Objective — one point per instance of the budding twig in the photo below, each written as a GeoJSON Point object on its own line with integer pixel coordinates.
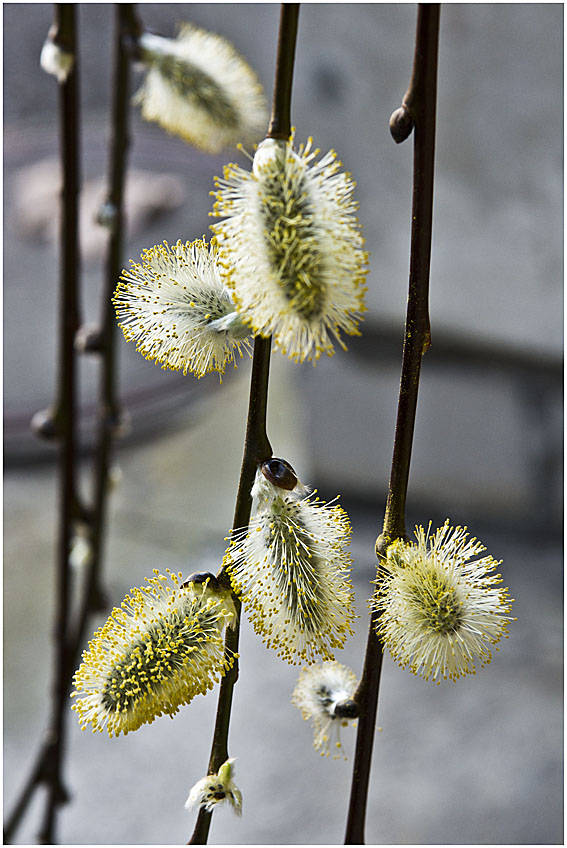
{"type": "Point", "coordinates": [127, 29]}
{"type": "Point", "coordinates": [48, 763]}
{"type": "Point", "coordinates": [48, 766]}
{"type": "Point", "coordinates": [417, 113]}
{"type": "Point", "coordinates": [257, 446]}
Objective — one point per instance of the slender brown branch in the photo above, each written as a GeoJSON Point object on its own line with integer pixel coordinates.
{"type": "Point", "coordinates": [280, 120]}
{"type": "Point", "coordinates": [421, 97]}
{"type": "Point", "coordinates": [47, 763]}
{"type": "Point", "coordinates": [51, 771]}
{"type": "Point", "coordinates": [417, 113]}
{"type": "Point", "coordinates": [256, 449]}
{"type": "Point", "coordinates": [112, 215]}
{"type": "Point", "coordinates": [256, 446]}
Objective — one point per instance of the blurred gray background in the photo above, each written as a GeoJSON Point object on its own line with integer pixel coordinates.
{"type": "Point", "coordinates": [479, 761]}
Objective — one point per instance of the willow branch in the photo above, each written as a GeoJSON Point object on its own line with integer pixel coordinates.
{"type": "Point", "coordinates": [66, 419]}
{"type": "Point", "coordinates": [257, 447]}
{"type": "Point", "coordinates": [280, 120]}
{"type": "Point", "coordinates": [420, 102]}
{"type": "Point", "coordinates": [417, 113]}
{"type": "Point", "coordinates": [102, 341]}
{"type": "Point", "coordinates": [49, 763]}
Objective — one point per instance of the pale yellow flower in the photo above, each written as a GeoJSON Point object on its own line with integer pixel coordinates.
{"type": "Point", "coordinates": [291, 566]}
{"type": "Point", "coordinates": [292, 248]}
{"type": "Point", "coordinates": [440, 606]}
{"type": "Point", "coordinates": [198, 87]}
{"type": "Point", "coordinates": [216, 790]}
{"type": "Point", "coordinates": [159, 649]}
{"type": "Point", "coordinates": [320, 688]}
{"type": "Point", "coordinates": [176, 308]}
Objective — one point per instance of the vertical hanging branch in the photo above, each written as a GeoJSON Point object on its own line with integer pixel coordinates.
{"type": "Point", "coordinates": [64, 36]}
{"type": "Point", "coordinates": [61, 421]}
{"type": "Point", "coordinates": [102, 341]}
{"type": "Point", "coordinates": [280, 119]}
{"type": "Point", "coordinates": [256, 445]}
{"type": "Point", "coordinates": [418, 113]}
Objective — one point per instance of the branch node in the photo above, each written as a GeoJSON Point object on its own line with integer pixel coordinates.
{"type": "Point", "coordinates": [88, 339]}
{"type": "Point", "coordinates": [121, 423]}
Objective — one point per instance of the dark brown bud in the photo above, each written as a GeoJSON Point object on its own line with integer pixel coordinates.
{"type": "Point", "coordinates": [401, 124]}
{"type": "Point", "coordinates": [279, 473]}
{"type": "Point", "coordinates": [44, 425]}
{"type": "Point", "coordinates": [202, 577]}
{"type": "Point", "coordinates": [347, 709]}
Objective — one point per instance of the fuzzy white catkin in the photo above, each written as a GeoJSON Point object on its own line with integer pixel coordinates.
{"type": "Point", "coordinates": [441, 606]}
{"type": "Point", "coordinates": [199, 88]}
{"type": "Point", "coordinates": [292, 248]}
{"type": "Point", "coordinates": [291, 567]}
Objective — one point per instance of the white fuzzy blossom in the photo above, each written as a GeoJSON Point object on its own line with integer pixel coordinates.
{"type": "Point", "coordinates": [198, 87]}
{"type": "Point", "coordinates": [56, 61]}
{"type": "Point", "coordinates": [216, 789]}
{"type": "Point", "coordinates": [159, 649]}
{"type": "Point", "coordinates": [440, 606]}
{"type": "Point", "coordinates": [320, 688]}
{"type": "Point", "coordinates": [176, 308]}
{"type": "Point", "coordinates": [292, 247]}
{"type": "Point", "coordinates": [291, 566]}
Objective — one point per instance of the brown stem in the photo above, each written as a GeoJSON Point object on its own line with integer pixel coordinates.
{"type": "Point", "coordinates": [127, 29]}
{"type": "Point", "coordinates": [421, 97]}
{"type": "Point", "coordinates": [280, 121]}
{"type": "Point", "coordinates": [65, 25]}
{"type": "Point", "coordinates": [256, 449]}
{"type": "Point", "coordinates": [47, 766]}
{"type": "Point", "coordinates": [420, 105]}
{"type": "Point", "coordinates": [256, 446]}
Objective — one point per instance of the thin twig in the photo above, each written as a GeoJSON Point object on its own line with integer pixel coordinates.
{"type": "Point", "coordinates": [112, 215]}
{"type": "Point", "coordinates": [48, 764]}
{"type": "Point", "coordinates": [420, 101]}
{"type": "Point", "coordinates": [417, 113]}
{"type": "Point", "coordinates": [257, 447]}
{"type": "Point", "coordinates": [280, 120]}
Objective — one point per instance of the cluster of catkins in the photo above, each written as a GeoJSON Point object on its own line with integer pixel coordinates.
{"type": "Point", "coordinates": [286, 261]}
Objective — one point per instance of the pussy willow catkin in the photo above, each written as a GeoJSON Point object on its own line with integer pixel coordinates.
{"type": "Point", "coordinates": [159, 649]}
{"type": "Point", "coordinates": [291, 566]}
{"type": "Point", "coordinates": [292, 248]}
{"type": "Point", "coordinates": [441, 606]}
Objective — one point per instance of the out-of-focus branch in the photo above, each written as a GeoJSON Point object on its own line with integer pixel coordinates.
{"type": "Point", "coordinates": [48, 766]}
{"type": "Point", "coordinates": [51, 773]}
{"type": "Point", "coordinates": [102, 340]}
{"type": "Point", "coordinates": [60, 421]}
